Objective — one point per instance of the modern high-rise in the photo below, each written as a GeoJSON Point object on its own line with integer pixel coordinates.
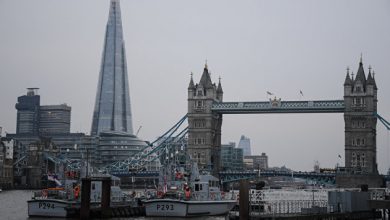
{"type": "Point", "coordinates": [245, 144]}
{"type": "Point", "coordinates": [36, 119]}
{"type": "Point", "coordinates": [231, 157]}
{"type": "Point", "coordinates": [112, 106]}
{"type": "Point", "coordinates": [54, 119]}
{"type": "Point", "coordinates": [27, 121]}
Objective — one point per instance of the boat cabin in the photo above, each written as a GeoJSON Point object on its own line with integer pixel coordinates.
{"type": "Point", "coordinates": [206, 188]}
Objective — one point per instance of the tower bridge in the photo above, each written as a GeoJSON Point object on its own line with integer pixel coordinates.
{"type": "Point", "coordinates": [359, 106]}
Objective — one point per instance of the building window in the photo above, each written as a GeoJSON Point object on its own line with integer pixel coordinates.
{"type": "Point", "coordinates": [358, 142]}
{"type": "Point", "coordinates": [358, 89]}
{"type": "Point", "coordinates": [200, 92]}
{"type": "Point", "coordinates": [358, 160]}
{"type": "Point", "coordinates": [353, 161]}
{"type": "Point", "coordinates": [199, 104]}
{"type": "Point", "coordinates": [359, 101]}
{"type": "Point", "coordinates": [199, 123]}
{"type": "Point", "coordinates": [359, 124]}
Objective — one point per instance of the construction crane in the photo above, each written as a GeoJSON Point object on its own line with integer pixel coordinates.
{"type": "Point", "coordinates": [136, 134]}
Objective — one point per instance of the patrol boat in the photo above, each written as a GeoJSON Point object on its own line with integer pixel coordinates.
{"type": "Point", "coordinates": [184, 195]}
{"type": "Point", "coordinates": [63, 201]}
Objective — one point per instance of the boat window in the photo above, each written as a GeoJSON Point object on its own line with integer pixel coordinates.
{"type": "Point", "coordinates": [201, 186]}
{"type": "Point", "coordinates": [196, 187]}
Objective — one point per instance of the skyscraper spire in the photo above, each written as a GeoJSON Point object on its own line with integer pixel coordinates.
{"type": "Point", "coordinates": [112, 107]}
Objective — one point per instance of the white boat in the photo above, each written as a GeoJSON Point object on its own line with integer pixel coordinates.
{"type": "Point", "coordinates": [62, 202]}
{"type": "Point", "coordinates": [188, 194]}
{"type": "Point", "coordinates": [182, 208]}
{"type": "Point", "coordinates": [41, 207]}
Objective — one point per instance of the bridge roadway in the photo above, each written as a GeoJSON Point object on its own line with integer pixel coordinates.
{"type": "Point", "coordinates": [232, 176]}
{"type": "Point", "coordinates": [278, 106]}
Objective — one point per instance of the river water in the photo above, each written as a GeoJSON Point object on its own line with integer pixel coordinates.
{"type": "Point", "coordinates": [13, 206]}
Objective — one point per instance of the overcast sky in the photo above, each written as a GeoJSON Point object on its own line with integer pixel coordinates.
{"type": "Point", "coordinates": [255, 46]}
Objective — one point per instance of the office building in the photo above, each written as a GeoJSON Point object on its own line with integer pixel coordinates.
{"type": "Point", "coordinates": [245, 144]}
{"type": "Point", "coordinates": [27, 121]}
{"type": "Point", "coordinates": [256, 162]}
{"type": "Point", "coordinates": [112, 106]}
{"type": "Point", "coordinates": [231, 157]}
{"type": "Point", "coordinates": [54, 119]}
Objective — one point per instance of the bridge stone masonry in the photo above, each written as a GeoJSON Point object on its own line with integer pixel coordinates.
{"type": "Point", "coordinates": [359, 105]}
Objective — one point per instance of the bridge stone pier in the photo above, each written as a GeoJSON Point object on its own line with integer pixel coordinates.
{"type": "Point", "coordinates": [206, 108]}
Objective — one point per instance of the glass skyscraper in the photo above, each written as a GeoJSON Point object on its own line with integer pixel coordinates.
{"type": "Point", "coordinates": [112, 106]}
{"type": "Point", "coordinates": [245, 144]}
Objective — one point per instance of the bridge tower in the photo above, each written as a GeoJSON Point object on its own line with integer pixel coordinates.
{"type": "Point", "coordinates": [204, 126]}
{"type": "Point", "coordinates": [360, 98]}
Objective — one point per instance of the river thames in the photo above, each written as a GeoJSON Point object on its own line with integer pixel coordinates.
{"type": "Point", "coordinates": [13, 206]}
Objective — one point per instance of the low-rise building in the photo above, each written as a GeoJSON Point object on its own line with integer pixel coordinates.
{"type": "Point", "coordinates": [6, 161]}
{"type": "Point", "coordinates": [256, 162]}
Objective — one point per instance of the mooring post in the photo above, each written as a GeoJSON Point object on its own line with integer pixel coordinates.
{"type": "Point", "coordinates": [106, 196]}
{"type": "Point", "coordinates": [244, 200]}
{"type": "Point", "coordinates": [85, 198]}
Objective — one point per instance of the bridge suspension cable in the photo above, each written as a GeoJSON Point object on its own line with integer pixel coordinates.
{"type": "Point", "coordinates": [151, 152]}
{"type": "Point", "coordinates": [381, 119]}
{"type": "Point", "coordinates": [387, 125]}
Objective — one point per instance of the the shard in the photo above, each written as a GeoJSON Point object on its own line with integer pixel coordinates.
{"type": "Point", "coordinates": [112, 106]}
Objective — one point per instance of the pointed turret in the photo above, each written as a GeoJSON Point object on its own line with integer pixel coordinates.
{"type": "Point", "coordinates": [370, 78]}
{"type": "Point", "coordinates": [191, 85]}
{"type": "Point", "coordinates": [360, 73]}
{"type": "Point", "coordinates": [373, 78]}
{"type": "Point", "coordinates": [348, 81]}
{"type": "Point", "coordinates": [205, 80]}
{"type": "Point", "coordinates": [219, 89]}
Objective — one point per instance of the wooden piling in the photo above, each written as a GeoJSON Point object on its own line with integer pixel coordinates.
{"type": "Point", "coordinates": [244, 200]}
{"type": "Point", "coordinates": [106, 196]}
{"type": "Point", "coordinates": [85, 198]}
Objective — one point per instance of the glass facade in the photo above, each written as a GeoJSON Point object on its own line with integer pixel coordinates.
{"type": "Point", "coordinates": [112, 106]}
{"type": "Point", "coordinates": [27, 121]}
{"type": "Point", "coordinates": [54, 119]}
{"type": "Point", "coordinates": [116, 146]}
{"type": "Point", "coordinates": [231, 157]}
{"type": "Point", "coordinates": [245, 144]}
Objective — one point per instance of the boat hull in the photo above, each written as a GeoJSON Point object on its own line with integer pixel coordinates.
{"type": "Point", "coordinates": [49, 207]}
{"type": "Point", "coordinates": [181, 208]}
